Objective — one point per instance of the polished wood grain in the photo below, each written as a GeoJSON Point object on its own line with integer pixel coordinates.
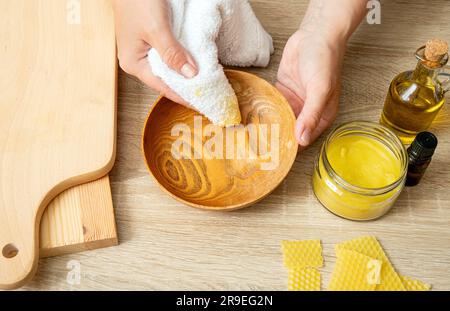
{"type": "Point", "coordinates": [224, 168]}
{"type": "Point", "coordinates": [166, 245]}
{"type": "Point", "coordinates": [58, 116]}
{"type": "Point", "coordinates": [79, 219]}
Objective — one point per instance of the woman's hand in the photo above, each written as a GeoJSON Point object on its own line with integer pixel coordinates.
{"type": "Point", "coordinates": [310, 70]}
{"type": "Point", "coordinates": [145, 24]}
{"type": "Point", "coordinates": [309, 77]}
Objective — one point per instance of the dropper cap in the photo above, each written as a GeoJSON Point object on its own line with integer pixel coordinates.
{"type": "Point", "coordinates": [423, 146]}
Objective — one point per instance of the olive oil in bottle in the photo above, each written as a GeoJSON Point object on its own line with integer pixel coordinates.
{"type": "Point", "coordinates": [415, 97]}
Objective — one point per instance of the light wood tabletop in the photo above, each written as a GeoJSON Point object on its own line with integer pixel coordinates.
{"type": "Point", "coordinates": [165, 245]}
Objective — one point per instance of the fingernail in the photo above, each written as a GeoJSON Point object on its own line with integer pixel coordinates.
{"type": "Point", "coordinates": [305, 139]}
{"type": "Point", "coordinates": [188, 71]}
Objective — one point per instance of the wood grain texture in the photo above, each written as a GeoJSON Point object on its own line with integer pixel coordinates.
{"type": "Point", "coordinates": [81, 218]}
{"type": "Point", "coordinates": [169, 246]}
{"type": "Point", "coordinates": [223, 168]}
{"type": "Point", "coordinates": [58, 115]}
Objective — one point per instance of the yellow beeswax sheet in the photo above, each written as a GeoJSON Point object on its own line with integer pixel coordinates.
{"type": "Point", "coordinates": [304, 279]}
{"type": "Point", "coordinates": [414, 285]}
{"type": "Point", "coordinates": [301, 254]}
{"type": "Point", "coordinates": [354, 271]}
{"type": "Point", "coordinates": [369, 246]}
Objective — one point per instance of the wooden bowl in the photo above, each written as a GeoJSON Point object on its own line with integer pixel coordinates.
{"type": "Point", "coordinates": [222, 181]}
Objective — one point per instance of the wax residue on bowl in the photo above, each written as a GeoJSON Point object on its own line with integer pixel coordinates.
{"type": "Point", "coordinates": [363, 161]}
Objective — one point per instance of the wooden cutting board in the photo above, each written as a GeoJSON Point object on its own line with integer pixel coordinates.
{"type": "Point", "coordinates": [57, 115]}
{"type": "Point", "coordinates": [79, 219]}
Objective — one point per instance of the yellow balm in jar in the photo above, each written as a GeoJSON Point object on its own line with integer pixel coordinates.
{"type": "Point", "coordinates": [360, 171]}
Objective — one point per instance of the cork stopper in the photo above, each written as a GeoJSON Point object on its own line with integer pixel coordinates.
{"type": "Point", "coordinates": [435, 50]}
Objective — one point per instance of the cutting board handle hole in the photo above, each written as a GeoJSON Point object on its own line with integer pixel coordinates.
{"type": "Point", "coordinates": [10, 251]}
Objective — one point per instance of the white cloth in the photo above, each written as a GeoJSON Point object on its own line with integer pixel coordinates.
{"type": "Point", "coordinates": [213, 30]}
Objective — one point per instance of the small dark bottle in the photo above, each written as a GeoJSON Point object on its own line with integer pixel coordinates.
{"type": "Point", "coordinates": [420, 153]}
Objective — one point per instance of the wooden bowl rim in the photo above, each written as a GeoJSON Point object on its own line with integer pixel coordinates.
{"type": "Point", "coordinates": [210, 207]}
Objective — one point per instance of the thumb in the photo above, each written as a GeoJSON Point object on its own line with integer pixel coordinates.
{"type": "Point", "coordinates": [309, 118]}
{"type": "Point", "coordinates": [174, 54]}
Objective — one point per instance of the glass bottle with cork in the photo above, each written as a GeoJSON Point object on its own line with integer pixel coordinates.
{"type": "Point", "coordinates": [415, 97]}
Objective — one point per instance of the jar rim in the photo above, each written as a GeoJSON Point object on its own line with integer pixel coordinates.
{"type": "Point", "coordinates": [388, 135]}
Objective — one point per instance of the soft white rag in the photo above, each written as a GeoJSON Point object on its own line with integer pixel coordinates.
{"type": "Point", "coordinates": [213, 30]}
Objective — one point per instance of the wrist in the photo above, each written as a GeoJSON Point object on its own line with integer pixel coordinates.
{"type": "Point", "coordinates": [333, 20]}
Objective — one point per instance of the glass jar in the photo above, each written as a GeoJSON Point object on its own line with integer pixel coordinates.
{"type": "Point", "coordinates": [347, 199]}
